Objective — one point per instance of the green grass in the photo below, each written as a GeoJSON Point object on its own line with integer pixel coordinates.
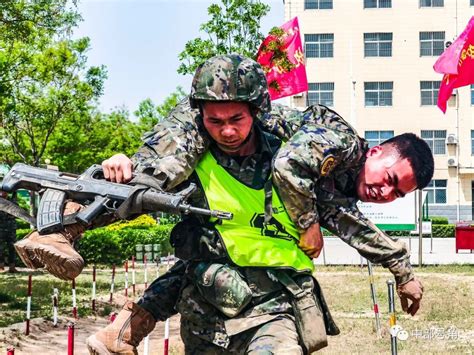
{"type": "Point", "coordinates": [13, 295]}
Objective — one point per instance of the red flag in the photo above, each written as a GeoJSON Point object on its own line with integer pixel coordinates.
{"type": "Point", "coordinates": [281, 56]}
{"type": "Point", "coordinates": [457, 65]}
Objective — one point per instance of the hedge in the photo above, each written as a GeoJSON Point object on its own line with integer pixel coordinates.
{"type": "Point", "coordinates": [439, 220]}
{"type": "Point", "coordinates": [102, 246]}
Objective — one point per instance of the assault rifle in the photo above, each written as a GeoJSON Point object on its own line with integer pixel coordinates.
{"type": "Point", "coordinates": [92, 190]}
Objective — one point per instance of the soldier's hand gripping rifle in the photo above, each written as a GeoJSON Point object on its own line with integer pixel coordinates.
{"type": "Point", "coordinates": [97, 194]}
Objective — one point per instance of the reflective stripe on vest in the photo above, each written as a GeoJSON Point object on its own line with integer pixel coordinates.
{"type": "Point", "coordinates": [247, 240]}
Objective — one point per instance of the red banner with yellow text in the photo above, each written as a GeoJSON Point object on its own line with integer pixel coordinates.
{"type": "Point", "coordinates": [281, 56]}
{"type": "Point", "coordinates": [457, 65]}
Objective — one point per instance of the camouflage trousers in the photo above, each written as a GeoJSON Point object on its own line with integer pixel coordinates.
{"type": "Point", "coordinates": [278, 336]}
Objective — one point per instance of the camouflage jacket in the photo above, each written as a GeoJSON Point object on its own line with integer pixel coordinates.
{"type": "Point", "coordinates": [173, 149]}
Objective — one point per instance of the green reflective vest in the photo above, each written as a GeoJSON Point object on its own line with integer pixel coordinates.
{"type": "Point", "coordinates": [248, 241]}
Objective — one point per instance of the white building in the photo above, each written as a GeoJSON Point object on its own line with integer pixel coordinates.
{"type": "Point", "coordinates": [372, 61]}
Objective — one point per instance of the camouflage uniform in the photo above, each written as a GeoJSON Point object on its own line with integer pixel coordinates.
{"type": "Point", "coordinates": [173, 150]}
{"type": "Point", "coordinates": [7, 238]}
{"type": "Point", "coordinates": [204, 329]}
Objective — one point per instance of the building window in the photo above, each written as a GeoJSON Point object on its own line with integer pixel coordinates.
{"type": "Point", "coordinates": [370, 4]}
{"type": "Point", "coordinates": [378, 44]}
{"type": "Point", "coordinates": [376, 137]}
{"type": "Point", "coordinates": [378, 93]}
{"type": "Point", "coordinates": [319, 45]}
{"type": "Point", "coordinates": [429, 92]}
{"type": "Point", "coordinates": [432, 3]}
{"type": "Point", "coordinates": [431, 43]}
{"type": "Point", "coordinates": [436, 190]}
{"type": "Point", "coordinates": [321, 93]}
{"type": "Point", "coordinates": [472, 142]}
{"type": "Point", "coordinates": [317, 4]}
{"type": "Point", "coordinates": [472, 2]}
{"type": "Point", "coordinates": [472, 91]}
{"type": "Point", "coordinates": [436, 140]}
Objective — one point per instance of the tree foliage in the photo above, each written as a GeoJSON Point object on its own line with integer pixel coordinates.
{"type": "Point", "coordinates": [234, 27]}
{"type": "Point", "coordinates": [44, 76]}
{"type": "Point", "coordinates": [150, 114]}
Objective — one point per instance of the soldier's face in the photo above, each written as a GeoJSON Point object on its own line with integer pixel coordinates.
{"type": "Point", "coordinates": [385, 176]}
{"type": "Point", "coordinates": [229, 124]}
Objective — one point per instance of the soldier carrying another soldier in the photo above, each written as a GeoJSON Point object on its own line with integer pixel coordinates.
{"type": "Point", "coordinates": [257, 258]}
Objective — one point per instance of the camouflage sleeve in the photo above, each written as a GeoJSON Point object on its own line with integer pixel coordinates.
{"type": "Point", "coordinates": [284, 121]}
{"type": "Point", "coordinates": [349, 224]}
{"type": "Point", "coordinates": [172, 150]}
{"type": "Point", "coordinates": [312, 153]}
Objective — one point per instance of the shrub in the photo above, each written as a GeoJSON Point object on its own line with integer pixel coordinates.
{"type": "Point", "coordinates": [106, 246]}
{"type": "Point", "coordinates": [443, 230]}
{"type": "Point", "coordinates": [20, 233]}
{"type": "Point", "coordinates": [439, 220]}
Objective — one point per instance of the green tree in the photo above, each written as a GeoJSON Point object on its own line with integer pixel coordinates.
{"type": "Point", "coordinates": [150, 114]}
{"type": "Point", "coordinates": [44, 76]}
{"type": "Point", "coordinates": [82, 141]}
{"type": "Point", "coordinates": [234, 27]}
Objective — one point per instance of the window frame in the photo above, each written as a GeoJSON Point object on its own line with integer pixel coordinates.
{"type": "Point", "coordinates": [434, 90]}
{"type": "Point", "coordinates": [319, 43]}
{"type": "Point", "coordinates": [377, 141]}
{"type": "Point", "coordinates": [319, 91]}
{"type": "Point", "coordinates": [436, 45]}
{"type": "Point", "coordinates": [421, 3]}
{"type": "Point", "coordinates": [318, 4]}
{"type": "Point", "coordinates": [434, 189]}
{"type": "Point", "coordinates": [377, 4]}
{"type": "Point", "coordinates": [379, 91]}
{"type": "Point", "coordinates": [378, 41]}
{"type": "Point", "coordinates": [433, 141]}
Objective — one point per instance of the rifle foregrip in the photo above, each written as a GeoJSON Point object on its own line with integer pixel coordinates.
{"type": "Point", "coordinates": [50, 211]}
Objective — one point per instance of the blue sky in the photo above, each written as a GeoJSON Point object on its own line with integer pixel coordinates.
{"type": "Point", "coordinates": [139, 41]}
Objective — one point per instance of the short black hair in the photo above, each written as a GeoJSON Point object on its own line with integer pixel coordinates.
{"type": "Point", "coordinates": [418, 153]}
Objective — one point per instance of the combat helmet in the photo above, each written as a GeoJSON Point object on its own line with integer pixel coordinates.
{"type": "Point", "coordinates": [231, 77]}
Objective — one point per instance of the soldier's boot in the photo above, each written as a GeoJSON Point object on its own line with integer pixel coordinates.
{"type": "Point", "coordinates": [123, 335]}
{"type": "Point", "coordinates": [12, 269]}
{"type": "Point", "coordinates": [54, 251]}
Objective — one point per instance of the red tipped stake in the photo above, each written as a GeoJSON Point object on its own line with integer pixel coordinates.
{"type": "Point", "coordinates": [70, 338]}
{"type": "Point", "coordinates": [10, 350]}
{"type": "Point", "coordinates": [133, 275]}
{"type": "Point", "coordinates": [112, 284]}
{"type": "Point", "coordinates": [126, 278]}
{"type": "Point", "coordinates": [145, 271]}
{"type": "Point", "coordinates": [28, 305]}
{"type": "Point", "coordinates": [93, 287]}
{"type": "Point", "coordinates": [74, 305]}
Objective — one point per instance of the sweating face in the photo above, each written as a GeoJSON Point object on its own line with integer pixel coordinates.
{"type": "Point", "coordinates": [229, 123]}
{"type": "Point", "coordinates": [384, 176]}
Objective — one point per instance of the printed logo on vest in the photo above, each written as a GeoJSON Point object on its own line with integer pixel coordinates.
{"type": "Point", "coordinates": [273, 229]}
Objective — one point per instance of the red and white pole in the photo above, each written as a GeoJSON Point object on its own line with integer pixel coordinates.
{"type": "Point", "coordinates": [70, 338]}
{"type": "Point", "coordinates": [145, 271]}
{"type": "Point", "coordinates": [167, 337]}
{"type": "Point", "coordinates": [146, 345]}
{"type": "Point", "coordinates": [133, 275]}
{"type": "Point", "coordinates": [55, 307]}
{"type": "Point", "coordinates": [10, 350]}
{"type": "Point", "coordinates": [126, 278]}
{"type": "Point", "coordinates": [74, 304]}
{"type": "Point", "coordinates": [28, 305]}
{"type": "Point", "coordinates": [93, 287]}
{"type": "Point", "coordinates": [112, 283]}
{"type": "Point", "coordinates": [378, 328]}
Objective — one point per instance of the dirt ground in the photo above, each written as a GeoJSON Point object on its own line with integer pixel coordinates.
{"type": "Point", "coordinates": [448, 302]}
